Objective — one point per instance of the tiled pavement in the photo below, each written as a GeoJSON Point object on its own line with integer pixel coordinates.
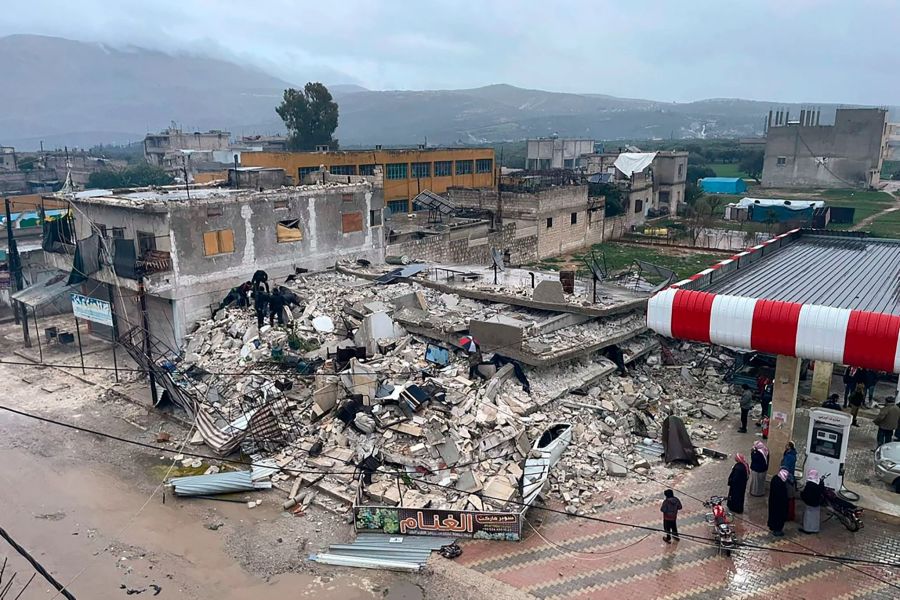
{"type": "Point", "coordinates": [579, 558]}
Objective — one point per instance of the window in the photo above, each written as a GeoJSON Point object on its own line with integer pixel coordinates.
{"type": "Point", "coordinates": [351, 222]}
{"type": "Point", "coordinates": [213, 211]}
{"type": "Point", "coordinates": [638, 206]}
{"type": "Point", "coordinates": [443, 168]}
{"type": "Point", "coordinates": [218, 241]}
{"type": "Point", "coordinates": [678, 196]}
{"type": "Point", "coordinates": [781, 161]}
{"type": "Point", "coordinates": [281, 204]}
{"type": "Point", "coordinates": [288, 231]}
{"type": "Point", "coordinates": [101, 229]}
{"type": "Point", "coordinates": [146, 242]}
{"type": "Point", "coordinates": [568, 163]}
{"type": "Point", "coordinates": [484, 165]}
{"type": "Point", "coordinates": [342, 170]}
{"type": "Point", "coordinates": [398, 206]}
{"type": "Point", "coordinates": [549, 222]}
{"type": "Point", "coordinates": [367, 170]}
{"type": "Point", "coordinates": [573, 218]}
{"type": "Point", "coordinates": [302, 172]}
{"type": "Point", "coordinates": [396, 170]}
{"type": "Point", "coordinates": [464, 167]}
{"type": "Point", "coordinates": [346, 197]}
{"type": "Point", "coordinates": [374, 218]}
{"type": "Point", "coordinates": [118, 233]}
{"type": "Point", "coordinates": [421, 169]}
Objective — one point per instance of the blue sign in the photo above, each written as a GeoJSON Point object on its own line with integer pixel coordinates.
{"type": "Point", "coordinates": [92, 309]}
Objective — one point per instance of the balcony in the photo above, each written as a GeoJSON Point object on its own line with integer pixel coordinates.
{"type": "Point", "coordinates": [154, 261]}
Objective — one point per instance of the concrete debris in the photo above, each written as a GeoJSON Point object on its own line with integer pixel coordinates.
{"type": "Point", "coordinates": [359, 397]}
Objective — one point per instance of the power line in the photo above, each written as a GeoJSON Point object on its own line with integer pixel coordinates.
{"type": "Point", "coordinates": [813, 554]}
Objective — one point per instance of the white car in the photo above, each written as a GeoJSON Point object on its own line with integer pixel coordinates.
{"type": "Point", "coordinates": [887, 464]}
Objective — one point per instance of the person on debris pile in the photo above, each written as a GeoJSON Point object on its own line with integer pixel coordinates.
{"type": "Point", "coordinates": [759, 464]}
{"type": "Point", "coordinates": [778, 503]}
{"type": "Point", "coordinates": [236, 297]}
{"type": "Point", "coordinates": [832, 402]}
{"type": "Point", "coordinates": [473, 351]}
{"type": "Point", "coordinates": [887, 421]}
{"type": "Point", "coordinates": [261, 304]}
{"type": "Point", "coordinates": [746, 405]}
{"type": "Point", "coordinates": [856, 400]}
{"type": "Point", "coordinates": [670, 507]}
{"type": "Point", "coordinates": [260, 280]}
{"type": "Point", "coordinates": [276, 308]}
{"type": "Point", "coordinates": [811, 495]}
{"type": "Point", "coordinates": [789, 461]}
{"type": "Point", "coordinates": [737, 483]}
{"type": "Point", "coordinates": [850, 380]}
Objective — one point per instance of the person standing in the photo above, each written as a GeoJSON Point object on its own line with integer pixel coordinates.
{"type": "Point", "coordinates": [261, 304]}
{"type": "Point", "coordinates": [778, 503]}
{"type": "Point", "coordinates": [765, 400]}
{"type": "Point", "coordinates": [737, 483]}
{"type": "Point", "coordinates": [850, 380]}
{"type": "Point", "coordinates": [746, 404]}
{"type": "Point", "coordinates": [812, 496]}
{"type": "Point", "coordinates": [856, 400]}
{"type": "Point", "coordinates": [789, 460]}
{"type": "Point", "coordinates": [670, 507]}
{"type": "Point", "coordinates": [870, 380]}
{"type": "Point", "coordinates": [759, 464]}
{"type": "Point", "coordinates": [887, 421]}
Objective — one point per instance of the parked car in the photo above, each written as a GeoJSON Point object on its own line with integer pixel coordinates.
{"type": "Point", "coordinates": [887, 464]}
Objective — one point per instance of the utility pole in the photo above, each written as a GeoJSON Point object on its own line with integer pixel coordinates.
{"type": "Point", "coordinates": [498, 214]}
{"type": "Point", "coordinates": [15, 268]}
{"type": "Point", "coordinates": [148, 350]}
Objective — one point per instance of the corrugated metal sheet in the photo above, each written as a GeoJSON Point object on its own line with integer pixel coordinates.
{"type": "Point", "coordinates": [41, 293]}
{"type": "Point", "coordinates": [835, 271]}
{"type": "Point", "coordinates": [218, 483]}
{"type": "Point", "coordinates": [377, 551]}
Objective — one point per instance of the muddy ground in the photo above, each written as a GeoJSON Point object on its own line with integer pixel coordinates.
{"type": "Point", "coordinates": [91, 510]}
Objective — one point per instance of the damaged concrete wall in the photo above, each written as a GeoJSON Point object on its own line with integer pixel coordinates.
{"type": "Point", "coordinates": [615, 228]}
{"type": "Point", "coordinates": [474, 248]}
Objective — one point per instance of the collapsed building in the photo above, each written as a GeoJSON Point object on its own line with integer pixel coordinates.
{"type": "Point", "coordinates": [370, 397]}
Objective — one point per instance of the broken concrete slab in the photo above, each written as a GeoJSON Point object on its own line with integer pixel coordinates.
{"type": "Point", "coordinates": [415, 301]}
{"type": "Point", "coordinates": [375, 327]}
{"type": "Point", "coordinates": [469, 482]}
{"type": "Point", "coordinates": [615, 466]}
{"type": "Point", "coordinates": [450, 300]}
{"type": "Point", "coordinates": [496, 336]}
{"type": "Point", "coordinates": [713, 412]}
{"type": "Point", "coordinates": [548, 291]}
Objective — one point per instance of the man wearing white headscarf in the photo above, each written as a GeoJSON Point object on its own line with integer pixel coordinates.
{"type": "Point", "coordinates": [778, 503]}
{"type": "Point", "coordinates": [812, 496]}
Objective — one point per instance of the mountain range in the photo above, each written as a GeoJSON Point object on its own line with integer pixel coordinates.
{"type": "Point", "coordinates": [65, 92]}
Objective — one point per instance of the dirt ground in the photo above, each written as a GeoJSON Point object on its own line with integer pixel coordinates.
{"type": "Point", "coordinates": [91, 511]}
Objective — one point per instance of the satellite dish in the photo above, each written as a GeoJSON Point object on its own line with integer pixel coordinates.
{"type": "Point", "coordinates": [497, 259]}
{"type": "Point", "coordinates": [323, 324]}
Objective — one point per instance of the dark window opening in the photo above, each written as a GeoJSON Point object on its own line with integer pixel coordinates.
{"type": "Point", "coordinates": [146, 242]}
{"type": "Point", "coordinates": [549, 222]}
{"type": "Point", "coordinates": [574, 218]}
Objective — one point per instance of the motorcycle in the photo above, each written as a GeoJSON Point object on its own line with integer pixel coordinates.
{"type": "Point", "coordinates": [721, 521]}
{"type": "Point", "coordinates": [846, 512]}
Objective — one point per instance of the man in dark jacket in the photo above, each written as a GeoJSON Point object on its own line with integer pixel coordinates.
{"type": "Point", "coordinates": [746, 405]}
{"type": "Point", "coordinates": [276, 308]}
{"type": "Point", "coordinates": [850, 379]}
{"type": "Point", "coordinates": [887, 421]}
{"type": "Point", "coordinates": [856, 400]}
{"type": "Point", "coordinates": [261, 304]}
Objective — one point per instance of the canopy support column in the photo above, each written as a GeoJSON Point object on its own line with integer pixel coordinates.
{"type": "Point", "coordinates": [821, 383]}
{"type": "Point", "coordinates": [784, 404]}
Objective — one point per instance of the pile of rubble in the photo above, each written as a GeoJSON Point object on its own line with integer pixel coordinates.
{"type": "Point", "coordinates": [367, 410]}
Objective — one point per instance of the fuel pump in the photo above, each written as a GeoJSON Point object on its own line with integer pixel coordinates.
{"type": "Point", "coordinates": [826, 444]}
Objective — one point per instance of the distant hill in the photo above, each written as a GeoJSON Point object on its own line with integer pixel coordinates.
{"type": "Point", "coordinates": [66, 92]}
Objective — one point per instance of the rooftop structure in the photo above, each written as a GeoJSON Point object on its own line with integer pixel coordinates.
{"type": "Point", "coordinates": [543, 154]}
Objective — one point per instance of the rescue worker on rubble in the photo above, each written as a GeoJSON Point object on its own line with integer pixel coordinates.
{"type": "Point", "coordinates": [236, 297]}
{"type": "Point", "coordinates": [261, 304]}
{"type": "Point", "coordinates": [260, 280]}
{"type": "Point", "coordinates": [276, 308]}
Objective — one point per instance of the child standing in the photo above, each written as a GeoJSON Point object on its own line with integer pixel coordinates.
{"type": "Point", "coordinates": [670, 507]}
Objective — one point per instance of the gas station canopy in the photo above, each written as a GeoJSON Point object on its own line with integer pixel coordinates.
{"type": "Point", "coordinates": [826, 296]}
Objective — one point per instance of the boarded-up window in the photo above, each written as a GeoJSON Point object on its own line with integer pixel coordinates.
{"type": "Point", "coordinates": [288, 231]}
{"type": "Point", "coordinates": [219, 241]}
{"type": "Point", "coordinates": [351, 222]}
{"type": "Point", "coordinates": [347, 197]}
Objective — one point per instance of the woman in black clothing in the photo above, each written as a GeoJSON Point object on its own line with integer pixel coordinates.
{"type": "Point", "coordinates": [737, 484]}
{"type": "Point", "coordinates": [778, 503]}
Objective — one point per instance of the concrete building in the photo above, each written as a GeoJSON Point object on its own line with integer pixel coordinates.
{"type": "Point", "coordinates": [561, 216]}
{"type": "Point", "coordinates": [670, 174]}
{"type": "Point", "coordinates": [407, 172]}
{"type": "Point", "coordinates": [544, 154]}
{"type": "Point", "coordinates": [191, 251]}
{"type": "Point", "coordinates": [802, 153]}
{"type": "Point", "coordinates": [8, 159]}
{"type": "Point", "coordinates": [165, 149]}
{"type": "Point", "coordinates": [892, 149]}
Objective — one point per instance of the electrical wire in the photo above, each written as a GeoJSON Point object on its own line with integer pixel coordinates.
{"type": "Point", "coordinates": [698, 539]}
{"type": "Point", "coordinates": [575, 553]}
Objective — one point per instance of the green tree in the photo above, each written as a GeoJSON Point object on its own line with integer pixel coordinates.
{"type": "Point", "coordinates": [695, 172]}
{"type": "Point", "coordinates": [310, 115]}
{"type": "Point", "coordinates": [140, 175]}
{"type": "Point", "coordinates": [752, 163]}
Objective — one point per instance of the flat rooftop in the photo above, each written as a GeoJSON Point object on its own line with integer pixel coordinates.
{"type": "Point", "coordinates": [840, 271]}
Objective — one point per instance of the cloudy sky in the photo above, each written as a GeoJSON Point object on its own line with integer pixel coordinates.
{"type": "Point", "coordinates": [785, 50]}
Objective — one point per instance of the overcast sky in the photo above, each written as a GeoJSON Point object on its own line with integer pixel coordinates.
{"type": "Point", "coordinates": [784, 50]}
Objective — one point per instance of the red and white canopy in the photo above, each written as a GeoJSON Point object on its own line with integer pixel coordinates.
{"type": "Point", "coordinates": [837, 335]}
